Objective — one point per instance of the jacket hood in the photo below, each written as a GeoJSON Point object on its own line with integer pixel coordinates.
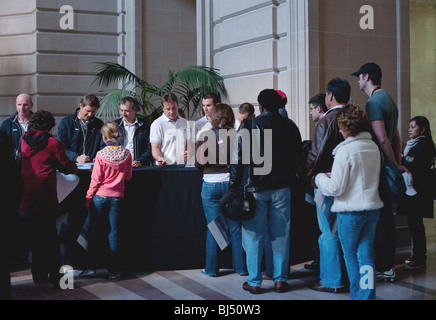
{"type": "Point", "coordinates": [34, 141]}
{"type": "Point", "coordinates": [115, 157]}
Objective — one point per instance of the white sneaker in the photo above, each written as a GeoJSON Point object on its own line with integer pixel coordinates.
{"type": "Point", "coordinates": [388, 275]}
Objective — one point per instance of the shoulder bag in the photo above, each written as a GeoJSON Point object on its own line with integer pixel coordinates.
{"type": "Point", "coordinates": [239, 203]}
{"type": "Point", "coordinates": [392, 186]}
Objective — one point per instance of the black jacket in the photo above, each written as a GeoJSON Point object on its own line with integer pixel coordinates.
{"type": "Point", "coordinates": [419, 161]}
{"type": "Point", "coordinates": [283, 154]}
{"type": "Point", "coordinates": [141, 140]}
{"type": "Point", "coordinates": [12, 129]}
{"type": "Point", "coordinates": [74, 140]}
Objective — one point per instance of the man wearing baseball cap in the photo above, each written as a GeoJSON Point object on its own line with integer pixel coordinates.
{"type": "Point", "coordinates": [282, 109]}
{"type": "Point", "coordinates": [383, 114]}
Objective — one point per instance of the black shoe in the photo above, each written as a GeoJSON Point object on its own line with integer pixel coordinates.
{"type": "Point", "coordinates": [40, 278]}
{"type": "Point", "coordinates": [318, 286]}
{"type": "Point", "coordinates": [251, 289]}
{"type": "Point", "coordinates": [415, 265]}
{"type": "Point", "coordinates": [313, 266]}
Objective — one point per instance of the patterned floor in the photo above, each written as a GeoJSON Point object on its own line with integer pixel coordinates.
{"type": "Point", "coordinates": [191, 285]}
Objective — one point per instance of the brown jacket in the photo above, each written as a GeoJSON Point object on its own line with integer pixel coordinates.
{"type": "Point", "coordinates": [326, 138]}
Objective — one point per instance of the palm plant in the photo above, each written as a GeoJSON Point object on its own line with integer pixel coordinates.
{"type": "Point", "coordinates": [189, 84]}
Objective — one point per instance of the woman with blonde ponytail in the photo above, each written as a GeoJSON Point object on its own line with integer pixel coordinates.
{"type": "Point", "coordinates": [105, 197]}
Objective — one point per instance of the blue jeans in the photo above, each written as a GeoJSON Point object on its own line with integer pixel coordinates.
{"type": "Point", "coordinates": [356, 231]}
{"type": "Point", "coordinates": [211, 194]}
{"type": "Point", "coordinates": [105, 213]}
{"type": "Point", "coordinates": [330, 252]}
{"type": "Point", "coordinates": [273, 216]}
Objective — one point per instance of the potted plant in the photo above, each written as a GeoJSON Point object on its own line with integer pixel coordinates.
{"type": "Point", "coordinates": [189, 84]}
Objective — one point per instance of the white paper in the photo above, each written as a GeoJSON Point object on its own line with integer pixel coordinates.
{"type": "Point", "coordinates": [319, 200]}
{"type": "Point", "coordinates": [83, 242]}
{"type": "Point", "coordinates": [220, 238]}
{"type": "Point", "coordinates": [66, 183]}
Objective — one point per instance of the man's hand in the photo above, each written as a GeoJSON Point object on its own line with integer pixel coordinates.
{"type": "Point", "coordinates": [161, 161]}
{"type": "Point", "coordinates": [402, 169]}
{"type": "Point", "coordinates": [136, 164]}
{"type": "Point", "coordinates": [185, 155]}
{"type": "Point", "coordinates": [83, 159]}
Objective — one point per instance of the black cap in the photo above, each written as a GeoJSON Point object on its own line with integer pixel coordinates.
{"type": "Point", "coordinates": [270, 99]}
{"type": "Point", "coordinates": [370, 68]}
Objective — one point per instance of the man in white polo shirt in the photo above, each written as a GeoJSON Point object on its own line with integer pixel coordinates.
{"type": "Point", "coordinates": [169, 134]}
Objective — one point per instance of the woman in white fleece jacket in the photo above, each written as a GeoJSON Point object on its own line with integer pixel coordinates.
{"type": "Point", "coordinates": [353, 183]}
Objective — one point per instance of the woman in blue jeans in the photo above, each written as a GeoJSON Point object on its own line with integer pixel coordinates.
{"type": "Point", "coordinates": [353, 183]}
{"type": "Point", "coordinates": [213, 156]}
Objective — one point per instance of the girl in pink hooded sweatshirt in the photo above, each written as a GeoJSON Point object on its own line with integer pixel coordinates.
{"type": "Point", "coordinates": [105, 196]}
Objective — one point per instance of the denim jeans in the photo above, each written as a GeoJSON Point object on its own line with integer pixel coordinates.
{"type": "Point", "coordinates": [330, 252]}
{"type": "Point", "coordinates": [356, 231]}
{"type": "Point", "coordinates": [273, 216]}
{"type": "Point", "coordinates": [105, 213]}
{"type": "Point", "coordinates": [211, 194]}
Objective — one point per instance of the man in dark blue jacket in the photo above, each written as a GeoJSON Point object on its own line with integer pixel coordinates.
{"type": "Point", "coordinates": [80, 133]}
{"type": "Point", "coordinates": [135, 132]}
{"type": "Point", "coordinates": [16, 126]}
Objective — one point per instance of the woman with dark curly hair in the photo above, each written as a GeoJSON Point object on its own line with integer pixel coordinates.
{"type": "Point", "coordinates": [42, 156]}
{"type": "Point", "coordinates": [353, 183]}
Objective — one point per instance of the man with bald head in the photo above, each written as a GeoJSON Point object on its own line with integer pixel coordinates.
{"type": "Point", "coordinates": [16, 126]}
{"type": "Point", "coordinates": [13, 129]}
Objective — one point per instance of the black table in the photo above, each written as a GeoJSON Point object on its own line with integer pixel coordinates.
{"type": "Point", "coordinates": [164, 227]}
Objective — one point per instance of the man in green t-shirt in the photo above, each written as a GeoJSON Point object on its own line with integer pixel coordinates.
{"type": "Point", "coordinates": [383, 114]}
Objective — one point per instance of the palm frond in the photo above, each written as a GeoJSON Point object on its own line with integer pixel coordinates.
{"type": "Point", "coordinates": [189, 84]}
{"type": "Point", "coordinates": [109, 109]}
{"type": "Point", "coordinates": [109, 73]}
{"type": "Point", "coordinates": [204, 78]}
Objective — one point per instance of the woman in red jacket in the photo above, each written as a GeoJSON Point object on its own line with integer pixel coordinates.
{"type": "Point", "coordinates": [42, 155]}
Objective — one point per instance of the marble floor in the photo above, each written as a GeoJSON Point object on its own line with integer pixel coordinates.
{"type": "Point", "coordinates": [191, 285]}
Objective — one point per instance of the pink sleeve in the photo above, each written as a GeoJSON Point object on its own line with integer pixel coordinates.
{"type": "Point", "coordinates": [96, 178]}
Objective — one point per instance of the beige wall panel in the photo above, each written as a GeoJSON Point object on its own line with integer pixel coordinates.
{"type": "Point", "coordinates": [65, 85]}
{"type": "Point", "coordinates": [80, 43]}
{"type": "Point", "coordinates": [70, 64]}
{"type": "Point", "coordinates": [17, 25]}
{"type": "Point", "coordinates": [18, 45]}
{"type": "Point", "coordinates": [61, 105]}
{"type": "Point", "coordinates": [8, 7]}
{"type": "Point", "coordinates": [169, 38]}
{"type": "Point", "coordinates": [247, 88]}
{"type": "Point", "coordinates": [17, 84]}
{"type": "Point", "coordinates": [81, 5]}
{"type": "Point", "coordinates": [229, 7]}
{"type": "Point", "coordinates": [16, 65]}
{"type": "Point", "coordinates": [246, 27]}
{"type": "Point", "coordinates": [253, 57]}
